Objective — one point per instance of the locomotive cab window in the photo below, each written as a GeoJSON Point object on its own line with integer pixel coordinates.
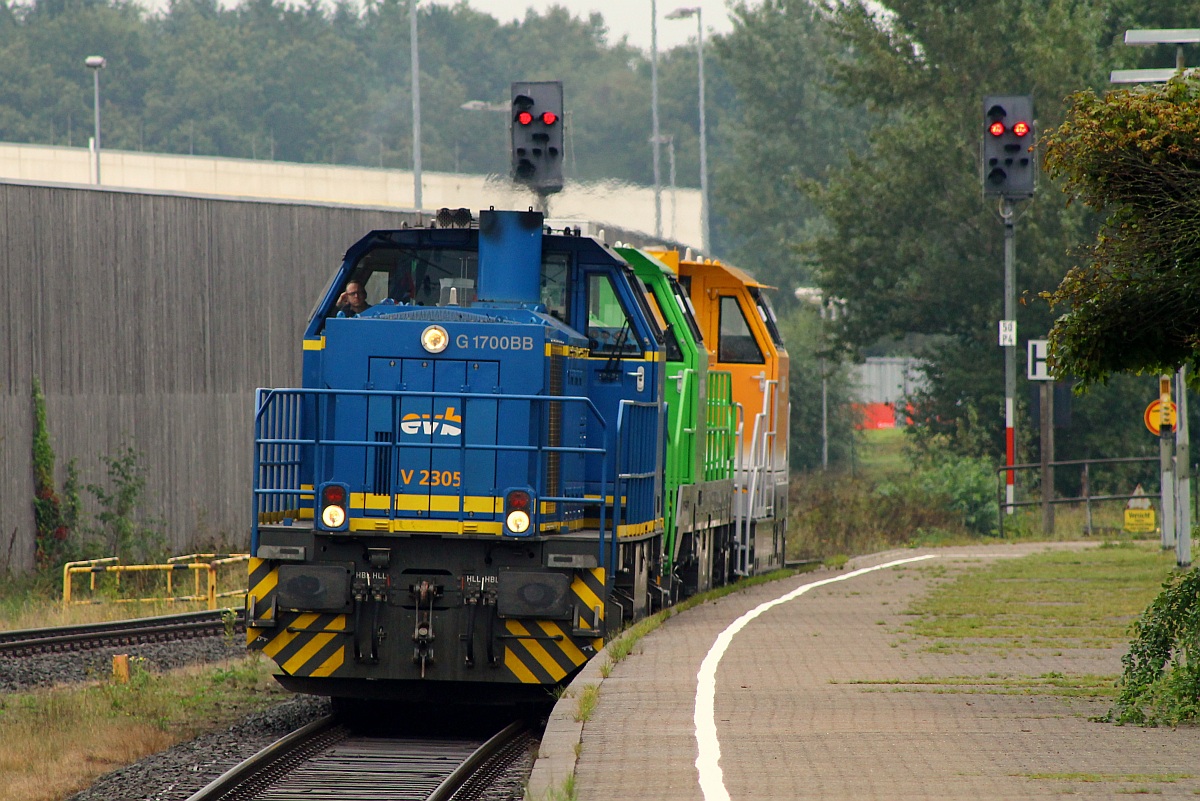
{"type": "Point", "coordinates": [736, 341]}
{"type": "Point", "coordinates": [767, 314]}
{"type": "Point", "coordinates": [555, 267]}
{"type": "Point", "coordinates": [686, 307]}
{"type": "Point", "coordinates": [609, 329]}
{"type": "Point", "coordinates": [674, 352]}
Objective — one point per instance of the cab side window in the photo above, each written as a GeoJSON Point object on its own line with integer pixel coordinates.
{"type": "Point", "coordinates": [609, 330]}
{"type": "Point", "coordinates": [736, 339]}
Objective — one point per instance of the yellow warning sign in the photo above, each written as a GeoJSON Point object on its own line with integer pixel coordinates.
{"type": "Point", "coordinates": [1140, 521]}
{"type": "Point", "coordinates": [1152, 417]}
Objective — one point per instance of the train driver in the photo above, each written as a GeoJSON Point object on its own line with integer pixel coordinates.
{"type": "Point", "coordinates": [353, 301]}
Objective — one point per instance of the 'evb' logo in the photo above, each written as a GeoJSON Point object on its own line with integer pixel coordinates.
{"type": "Point", "coordinates": [448, 423]}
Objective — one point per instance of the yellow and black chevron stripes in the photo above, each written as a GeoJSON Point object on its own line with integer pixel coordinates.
{"type": "Point", "coordinates": [588, 589]}
{"type": "Point", "coordinates": [311, 644]}
{"type": "Point", "coordinates": [263, 583]}
{"type": "Point", "coordinates": [543, 651]}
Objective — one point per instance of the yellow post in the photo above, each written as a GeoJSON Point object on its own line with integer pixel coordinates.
{"type": "Point", "coordinates": [121, 668]}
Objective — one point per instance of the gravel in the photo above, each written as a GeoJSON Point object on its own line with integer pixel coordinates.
{"type": "Point", "coordinates": [178, 772]}
{"type": "Point", "coordinates": [19, 673]}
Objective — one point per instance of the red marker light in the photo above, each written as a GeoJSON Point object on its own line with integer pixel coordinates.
{"type": "Point", "coordinates": [1020, 128]}
{"type": "Point", "coordinates": [997, 128]}
{"type": "Point", "coordinates": [335, 494]}
{"type": "Point", "coordinates": [549, 117]}
{"type": "Point", "coordinates": [524, 118]}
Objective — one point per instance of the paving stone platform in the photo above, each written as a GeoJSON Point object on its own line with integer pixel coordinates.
{"type": "Point", "coordinates": [828, 696]}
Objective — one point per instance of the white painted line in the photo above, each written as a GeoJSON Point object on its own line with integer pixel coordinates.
{"type": "Point", "coordinates": [708, 761]}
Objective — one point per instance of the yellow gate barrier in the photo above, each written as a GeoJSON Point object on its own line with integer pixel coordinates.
{"type": "Point", "coordinates": [198, 563]}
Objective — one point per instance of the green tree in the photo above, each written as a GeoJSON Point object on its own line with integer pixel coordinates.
{"type": "Point", "coordinates": [909, 240]}
{"type": "Point", "coordinates": [1135, 306]}
{"type": "Point", "coordinates": [789, 128]}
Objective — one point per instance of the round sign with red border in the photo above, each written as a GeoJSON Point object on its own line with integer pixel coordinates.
{"type": "Point", "coordinates": [1153, 417]}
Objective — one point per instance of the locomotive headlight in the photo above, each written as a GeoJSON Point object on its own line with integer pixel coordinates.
{"type": "Point", "coordinates": [333, 516]}
{"type": "Point", "coordinates": [517, 522]}
{"type": "Point", "coordinates": [517, 518]}
{"type": "Point", "coordinates": [434, 339]}
{"type": "Point", "coordinates": [333, 505]}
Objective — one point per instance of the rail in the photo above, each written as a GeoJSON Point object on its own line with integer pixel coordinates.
{"type": "Point", "coordinates": [1087, 498]}
{"type": "Point", "coordinates": [207, 566]}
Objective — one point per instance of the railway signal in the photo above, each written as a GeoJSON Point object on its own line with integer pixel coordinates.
{"type": "Point", "coordinates": [537, 135]}
{"type": "Point", "coordinates": [1008, 146]}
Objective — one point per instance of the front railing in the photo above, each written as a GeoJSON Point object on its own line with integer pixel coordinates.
{"type": "Point", "coordinates": [721, 448]}
{"type": "Point", "coordinates": [284, 453]}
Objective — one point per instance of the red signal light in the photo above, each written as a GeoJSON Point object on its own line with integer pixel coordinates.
{"type": "Point", "coordinates": [334, 494]}
{"type": "Point", "coordinates": [525, 118]}
{"type": "Point", "coordinates": [549, 117]}
{"type": "Point", "coordinates": [517, 499]}
{"type": "Point", "coordinates": [997, 128]}
{"type": "Point", "coordinates": [1021, 128]}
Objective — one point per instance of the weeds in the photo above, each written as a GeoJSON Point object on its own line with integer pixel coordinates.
{"type": "Point", "coordinates": [119, 530]}
{"type": "Point", "coordinates": [1161, 679]}
{"type": "Point", "coordinates": [586, 702]}
{"type": "Point", "coordinates": [1059, 599]}
{"type": "Point", "coordinates": [58, 741]}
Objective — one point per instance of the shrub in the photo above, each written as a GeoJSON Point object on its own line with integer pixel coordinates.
{"type": "Point", "coordinates": [1161, 679]}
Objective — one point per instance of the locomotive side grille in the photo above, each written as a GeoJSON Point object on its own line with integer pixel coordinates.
{"type": "Point", "coordinates": [383, 463]}
{"type": "Point", "coordinates": [554, 432]}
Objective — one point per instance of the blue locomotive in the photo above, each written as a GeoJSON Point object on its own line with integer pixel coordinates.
{"type": "Point", "coordinates": [467, 497]}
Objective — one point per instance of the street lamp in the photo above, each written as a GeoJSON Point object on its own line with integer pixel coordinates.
{"type": "Point", "coordinates": [829, 309]}
{"type": "Point", "coordinates": [1176, 36]}
{"type": "Point", "coordinates": [95, 64]}
{"type": "Point", "coordinates": [684, 13]}
{"type": "Point", "coordinates": [416, 102]}
{"type": "Point", "coordinates": [669, 141]}
{"type": "Point", "coordinates": [655, 138]}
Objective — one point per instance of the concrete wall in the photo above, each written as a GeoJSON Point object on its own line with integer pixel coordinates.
{"type": "Point", "coordinates": [621, 205]}
{"type": "Point", "coordinates": [149, 321]}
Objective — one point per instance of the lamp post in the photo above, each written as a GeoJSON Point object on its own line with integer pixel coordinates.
{"type": "Point", "coordinates": [684, 13]}
{"type": "Point", "coordinates": [416, 102]}
{"type": "Point", "coordinates": [669, 141]}
{"type": "Point", "coordinates": [95, 64]}
{"type": "Point", "coordinates": [829, 309]}
{"type": "Point", "coordinates": [655, 138]}
{"type": "Point", "coordinates": [1178, 496]}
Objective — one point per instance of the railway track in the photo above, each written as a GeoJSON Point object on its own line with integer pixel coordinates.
{"type": "Point", "coordinates": [327, 760]}
{"type": "Point", "coordinates": [27, 642]}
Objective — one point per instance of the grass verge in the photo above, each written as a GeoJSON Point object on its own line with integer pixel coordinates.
{"type": "Point", "coordinates": [1055, 600]}
{"type": "Point", "coordinates": [58, 741]}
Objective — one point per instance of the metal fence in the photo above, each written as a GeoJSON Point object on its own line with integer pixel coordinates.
{"type": "Point", "coordinates": [1085, 497]}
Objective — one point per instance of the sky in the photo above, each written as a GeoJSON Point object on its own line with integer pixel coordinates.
{"type": "Point", "coordinates": [624, 17]}
{"type": "Point", "coordinates": [629, 18]}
